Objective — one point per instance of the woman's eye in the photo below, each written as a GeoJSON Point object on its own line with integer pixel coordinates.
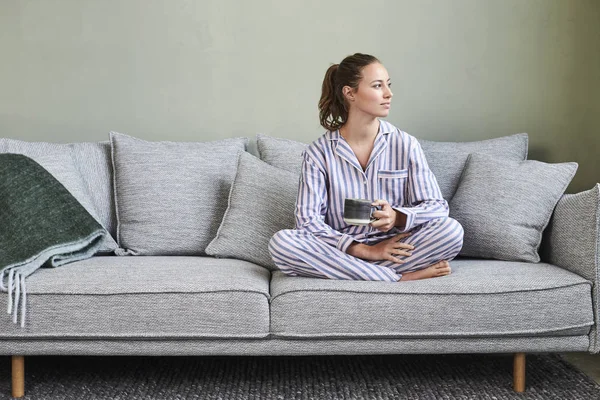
{"type": "Point", "coordinates": [377, 86]}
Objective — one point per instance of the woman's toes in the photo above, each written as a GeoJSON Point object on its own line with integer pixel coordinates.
{"type": "Point", "coordinates": [444, 268]}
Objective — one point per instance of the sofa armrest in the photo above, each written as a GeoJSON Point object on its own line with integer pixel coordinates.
{"type": "Point", "coordinates": [572, 241]}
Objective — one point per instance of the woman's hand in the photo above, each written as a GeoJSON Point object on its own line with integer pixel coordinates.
{"type": "Point", "coordinates": [388, 249]}
{"type": "Point", "coordinates": [386, 217]}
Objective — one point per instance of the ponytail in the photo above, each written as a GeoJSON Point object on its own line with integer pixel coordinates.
{"type": "Point", "coordinates": [333, 109]}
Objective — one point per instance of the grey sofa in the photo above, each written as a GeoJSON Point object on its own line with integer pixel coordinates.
{"type": "Point", "coordinates": [174, 304]}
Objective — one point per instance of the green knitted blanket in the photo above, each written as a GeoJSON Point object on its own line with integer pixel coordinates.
{"type": "Point", "coordinates": [41, 223]}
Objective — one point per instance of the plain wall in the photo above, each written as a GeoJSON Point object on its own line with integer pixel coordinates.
{"type": "Point", "coordinates": [72, 70]}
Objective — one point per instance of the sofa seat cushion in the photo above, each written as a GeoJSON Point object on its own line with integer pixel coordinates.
{"type": "Point", "coordinates": [146, 297]}
{"type": "Point", "coordinates": [481, 298]}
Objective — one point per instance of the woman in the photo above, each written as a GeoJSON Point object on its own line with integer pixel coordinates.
{"type": "Point", "coordinates": [361, 156]}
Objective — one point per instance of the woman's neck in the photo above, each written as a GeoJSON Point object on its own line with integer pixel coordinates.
{"type": "Point", "coordinates": [360, 129]}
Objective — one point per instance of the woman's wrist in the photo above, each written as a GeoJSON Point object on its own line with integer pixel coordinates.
{"type": "Point", "coordinates": [400, 219]}
{"type": "Point", "coordinates": [357, 249]}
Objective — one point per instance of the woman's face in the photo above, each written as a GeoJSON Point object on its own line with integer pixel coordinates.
{"type": "Point", "coordinates": [373, 96]}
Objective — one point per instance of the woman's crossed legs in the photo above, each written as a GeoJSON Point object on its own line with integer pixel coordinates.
{"type": "Point", "coordinates": [299, 253]}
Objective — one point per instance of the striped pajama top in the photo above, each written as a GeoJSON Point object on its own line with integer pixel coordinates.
{"type": "Point", "coordinates": [397, 171]}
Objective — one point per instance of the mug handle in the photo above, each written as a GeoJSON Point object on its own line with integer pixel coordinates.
{"type": "Point", "coordinates": [373, 208]}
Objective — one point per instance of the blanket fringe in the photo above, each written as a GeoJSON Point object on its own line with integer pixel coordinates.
{"type": "Point", "coordinates": [17, 293]}
{"type": "Point", "coordinates": [10, 288]}
{"type": "Point", "coordinates": [24, 301]}
{"type": "Point", "coordinates": [17, 296]}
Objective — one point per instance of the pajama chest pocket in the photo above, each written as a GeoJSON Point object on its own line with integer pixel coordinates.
{"type": "Point", "coordinates": [392, 185]}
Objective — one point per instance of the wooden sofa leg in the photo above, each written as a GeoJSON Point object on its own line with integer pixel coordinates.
{"type": "Point", "coordinates": [519, 372]}
{"type": "Point", "coordinates": [18, 376]}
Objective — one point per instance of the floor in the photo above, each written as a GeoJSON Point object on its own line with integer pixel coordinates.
{"type": "Point", "coordinates": [588, 363]}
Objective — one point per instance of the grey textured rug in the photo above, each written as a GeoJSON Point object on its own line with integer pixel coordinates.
{"type": "Point", "coordinates": [469, 376]}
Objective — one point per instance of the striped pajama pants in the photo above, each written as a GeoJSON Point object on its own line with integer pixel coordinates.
{"type": "Point", "coordinates": [300, 253]}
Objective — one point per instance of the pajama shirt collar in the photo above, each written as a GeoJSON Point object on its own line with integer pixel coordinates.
{"type": "Point", "coordinates": [343, 149]}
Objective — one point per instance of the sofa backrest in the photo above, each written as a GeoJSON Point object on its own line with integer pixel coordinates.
{"type": "Point", "coordinates": [86, 170]}
{"type": "Point", "coordinates": [93, 160]}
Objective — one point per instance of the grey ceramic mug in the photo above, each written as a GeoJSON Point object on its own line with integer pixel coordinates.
{"type": "Point", "coordinates": [359, 211]}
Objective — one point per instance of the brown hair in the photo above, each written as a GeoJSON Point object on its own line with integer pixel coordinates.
{"type": "Point", "coordinates": [333, 109]}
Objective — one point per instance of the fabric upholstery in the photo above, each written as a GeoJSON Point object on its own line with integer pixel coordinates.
{"type": "Point", "coordinates": [481, 298]}
{"type": "Point", "coordinates": [145, 297]}
{"type": "Point", "coordinates": [221, 307]}
{"type": "Point", "coordinates": [572, 241]}
{"type": "Point", "coordinates": [261, 203]}
{"type": "Point", "coordinates": [504, 206]}
{"type": "Point", "coordinates": [292, 347]}
{"type": "Point", "coordinates": [59, 160]}
{"type": "Point", "coordinates": [95, 166]}
{"type": "Point", "coordinates": [281, 153]}
{"type": "Point", "coordinates": [171, 196]}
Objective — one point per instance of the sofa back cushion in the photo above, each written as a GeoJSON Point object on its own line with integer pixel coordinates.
{"type": "Point", "coordinates": [95, 166]}
{"type": "Point", "coordinates": [281, 153]}
{"type": "Point", "coordinates": [446, 159]}
{"type": "Point", "coordinates": [504, 205]}
{"type": "Point", "coordinates": [66, 162]}
{"type": "Point", "coordinates": [261, 202]}
{"type": "Point", "coordinates": [171, 196]}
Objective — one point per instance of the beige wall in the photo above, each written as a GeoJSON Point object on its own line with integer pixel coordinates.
{"type": "Point", "coordinates": [72, 70]}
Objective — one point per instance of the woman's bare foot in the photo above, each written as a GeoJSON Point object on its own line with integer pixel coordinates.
{"type": "Point", "coordinates": [440, 269]}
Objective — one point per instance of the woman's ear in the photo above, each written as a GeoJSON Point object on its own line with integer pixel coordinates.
{"type": "Point", "coordinates": [348, 93]}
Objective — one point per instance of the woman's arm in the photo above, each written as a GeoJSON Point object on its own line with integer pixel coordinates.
{"type": "Point", "coordinates": [311, 205]}
{"type": "Point", "coordinates": [425, 201]}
